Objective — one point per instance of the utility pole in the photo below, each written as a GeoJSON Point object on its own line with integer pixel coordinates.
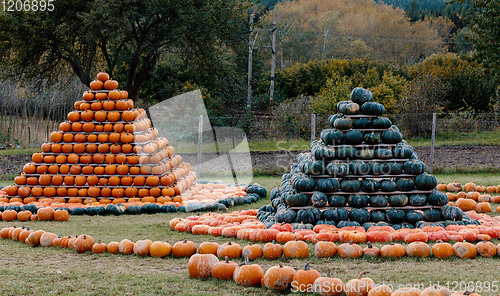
{"type": "Point", "coordinates": [273, 61]}
{"type": "Point", "coordinates": [250, 52]}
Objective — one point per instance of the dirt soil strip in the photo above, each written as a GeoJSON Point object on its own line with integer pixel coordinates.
{"type": "Point", "coordinates": [445, 157]}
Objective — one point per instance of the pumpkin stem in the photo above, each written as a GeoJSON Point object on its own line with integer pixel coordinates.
{"type": "Point", "coordinates": [227, 259]}
{"type": "Point", "coordinates": [439, 241]}
{"type": "Point", "coordinates": [229, 243]}
{"type": "Point", "coordinates": [307, 266]}
{"type": "Point", "coordinates": [328, 273]}
{"type": "Point", "coordinates": [185, 241]}
{"type": "Point", "coordinates": [361, 274]}
{"type": "Point", "coordinates": [274, 241]}
{"type": "Point", "coordinates": [280, 265]}
{"type": "Point", "coordinates": [370, 245]}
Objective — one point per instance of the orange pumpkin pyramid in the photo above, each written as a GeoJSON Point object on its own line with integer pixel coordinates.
{"type": "Point", "coordinates": [106, 151]}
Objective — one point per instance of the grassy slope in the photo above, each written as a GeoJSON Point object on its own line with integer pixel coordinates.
{"type": "Point", "coordinates": [27, 270]}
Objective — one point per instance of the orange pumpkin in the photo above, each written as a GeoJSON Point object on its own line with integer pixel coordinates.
{"type": "Point", "coordinates": [248, 274]}
{"type": "Point", "coordinates": [278, 277]}
{"type": "Point", "coordinates": [224, 270]}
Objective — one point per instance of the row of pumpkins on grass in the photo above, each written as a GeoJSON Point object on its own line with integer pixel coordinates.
{"type": "Point", "coordinates": [206, 264]}
{"type": "Point", "coordinates": [306, 280]}
{"type": "Point", "coordinates": [244, 225]}
{"type": "Point", "coordinates": [468, 187]}
{"type": "Point", "coordinates": [229, 196]}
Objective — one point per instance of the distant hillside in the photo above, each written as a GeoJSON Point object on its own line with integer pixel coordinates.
{"type": "Point", "coordinates": [430, 5]}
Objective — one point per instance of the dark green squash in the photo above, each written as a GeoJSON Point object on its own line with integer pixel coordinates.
{"type": "Point", "coordinates": [78, 211]}
{"type": "Point", "coordinates": [366, 154]}
{"type": "Point", "coordinates": [414, 216]}
{"type": "Point", "coordinates": [353, 137]}
{"type": "Point", "coordinates": [343, 123]}
{"type": "Point", "coordinates": [319, 199]}
{"type": "Point", "coordinates": [362, 123]}
{"type": "Point", "coordinates": [405, 184]}
{"type": "Point", "coordinates": [332, 118]}
{"type": "Point", "coordinates": [133, 210]}
{"type": "Point", "coordinates": [377, 216]}
{"type": "Point", "coordinates": [337, 169]}
{"type": "Point", "coordinates": [324, 222]}
{"type": "Point", "coordinates": [343, 214]}
{"type": "Point", "coordinates": [394, 168]}
{"type": "Point", "coordinates": [361, 95]}
{"type": "Point", "coordinates": [308, 216]}
{"type": "Point", "coordinates": [425, 181]}
{"type": "Point", "coordinates": [287, 216]}
{"type": "Point", "coordinates": [359, 215]}
{"type": "Point", "coordinates": [317, 168]}
{"type": "Point", "coordinates": [381, 123]}
{"type": "Point", "coordinates": [370, 185]}
{"type": "Point", "coordinates": [357, 200]}
{"type": "Point", "coordinates": [337, 201]}
{"type": "Point", "coordinates": [297, 200]}
{"type": "Point", "coordinates": [350, 185]}
{"type": "Point", "coordinates": [432, 215]}
{"type": "Point", "coordinates": [339, 104]}
{"type": "Point", "coordinates": [417, 200]}
{"type": "Point", "coordinates": [92, 211]}
{"type": "Point", "coordinates": [331, 215]}
{"type": "Point", "coordinates": [395, 216]}
{"type": "Point", "coordinates": [377, 168]}
{"type": "Point", "coordinates": [327, 185]}
{"type": "Point", "coordinates": [303, 183]}
{"type": "Point", "coordinates": [414, 167]}
{"type": "Point", "coordinates": [391, 136]}
{"type": "Point", "coordinates": [387, 185]}
{"type": "Point", "coordinates": [452, 213]}
{"type": "Point", "coordinates": [346, 152]}
{"type": "Point", "coordinates": [438, 198]}
{"type": "Point", "coordinates": [372, 108]}
{"type": "Point", "coordinates": [402, 151]}
{"type": "Point", "coordinates": [349, 108]}
{"type": "Point", "coordinates": [332, 136]}
{"type": "Point", "coordinates": [378, 201]}
{"type": "Point", "coordinates": [372, 138]}
{"type": "Point", "coordinates": [383, 153]}
{"type": "Point", "coordinates": [358, 167]}
{"type": "Point", "coordinates": [399, 200]}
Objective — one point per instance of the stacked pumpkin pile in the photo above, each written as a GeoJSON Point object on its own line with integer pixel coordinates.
{"type": "Point", "coordinates": [106, 150]}
{"type": "Point", "coordinates": [361, 172]}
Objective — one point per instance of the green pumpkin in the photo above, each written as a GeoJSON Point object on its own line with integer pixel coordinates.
{"type": "Point", "coordinates": [92, 211]}
{"type": "Point", "coordinates": [349, 108]}
{"type": "Point", "coordinates": [345, 223]}
{"type": "Point", "coordinates": [381, 123]}
{"type": "Point", "coordinates": [417, 200]}
{"type": "Point", "coordinates": [394, 168]}
{"type": "Point", "coordinates": [387, 185]}
{"type": "Point", "coordinates": [359, 215]}
{"type": "Point", "coordinates": [378, 201]}
{"type": "Point", "coordinates": [404, 184]}
{"type": "Point", "coordinates": [414, 167]}
{"type": "Point", "coordinates": [383, 153]}
{"type": "Point", "coordinates": [372, 108]}
{"type": "Point", "coordinates": [321, 152]}
{"type": "Point", "coordinates": [452, 213]}
{"type": "Point", "coordinates": [414, 216]}
{"type": "Point", "coordinates": [402, 151]}
{"type": "Point", "coordinates": [362, 123]}
{"type": "Point", "coordinates": [377, 168]}
{"type": "Point", "coordinates": [332, 118]}
{"type": "Point", "coordinates": [357, 200]}
{"type": "Point", "coordinates": [133, 210]}
{"type": "Point", "coordinates": [337, 201]}
{"type": "Point", "coordinates": [343, 123]}
{"type": "Point", "coordinates": [399, 200]}
{"type": "Point", "coordinates": [319, 199]}
{"type": "Point", "coordinates": [339, 104]}
{"type": "Point", "coordinates": [337, 169]}
{"type": "Point", "coordinates": [297, 200]}
{"type": "Point", "coordinates": [327, 185]}
{"type": "Point", "coordinates": [395, 216]}
{"type": "Point", "coordinates": [287, 216]}
{"type": "Point", "coordinates": [372, 138]}
{"type": "Point", "coordinates": [308, 216]}
{"type": "Point", "coordinates": [377, 216]}
{"type": "Point", "coordinates": [343, 214]}
{"type": "Point", "coordinates": [361, 95]}
{"type": "Point", "coordinates": [331, 215]}
{"type": "Point", "coordinates": [113, 210]}
{"type": "Point", "coordinates": [425, 181]}
{"type": "Point", "coordinates": [437, 198]}
{"type": "Point", "coordinates": [370, 185]}
{"type": "Point", "coordinates": [332, 136]}
{"type": "Point", "coordinates": [303, 183]}
{"type": "Point", "coordinates": [353, 137]}
{"type": "Point", "coordinates": [391, 136]}
{"type": "Point", "coordinates": [350, 185]}
{"type": "Point", "coordinates": [346, 152]}
{"type": "Point", "coordinates": [317, 168]}
{"type": "Point", "coordinates": [432, 215]}
{"type": "Point", "coordinates": [366, 154]}
{"type": "Point", "coordinates": [358, 167]}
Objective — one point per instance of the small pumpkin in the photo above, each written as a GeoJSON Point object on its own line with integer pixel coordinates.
{"type": "Point", "coordinates": [252, 251]}
{"type": "Point", "coordinates": [371, 250]}
{"type": "Point", "coordinates": [142, 247]}
{"type": "Point", "coordinates": [160, 249]}
{"type": "Point", "coordinates": [247, 274]}
{"type": "Point", "coordinates": [359, 286]}
{"type": "Point", "coordinates": [328, 286]}
{"type": "Point", "coordinates": [224, 270]}
{"type": "Point", "coordinates": [407, 291]}
{"type": "Point", "coordinates": [304, 278]}
{"type": "Point", "coordinates": [393, 250]}
{"type": "Point", "coordinates": [442, 250]}
{"type": "Point", "coordinates": [380, 290]}
{"type": "Point", "coordinates": [185, 248]}
{"type": "Point", "coordinates": [464, 250]}
{"type": "Point", "coordinates": [200, 265]}
{"type": "Point", "coordinates": [486, 249]}
{"type": "Point", "coordinates": [325, 249]}
{"type": "Point", "coordinates": [296, 249]}
{"type": "Point", "coordinates": [208, 248]}
{"type": "Point", "coordinates": [84, 243]}
{"type": "Point", "coordinates": [350, 250]}
{"type": "Point", "coordinates": [99, 247]}
{"type": "Point", "coordinates": [272, 250]}
{"type": "Point", "coordinates": [278, 277]}
{"type": "Point", "coordinates": [418, 249]}
{"type": "Point", "coordinates": [436, 291]}
{"type": "Point", "coordinates": [230, 250]}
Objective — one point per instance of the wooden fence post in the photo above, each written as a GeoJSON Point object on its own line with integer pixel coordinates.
{"type": "Point", "coordinates": [313, 127]}
{"type": "Point", "coordinates": [200, 139]}
{"type": "Point", "coordinates": [433, 140]}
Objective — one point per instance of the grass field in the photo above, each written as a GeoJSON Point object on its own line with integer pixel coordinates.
{"type": "Point", "coordinates": [27, 271]}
